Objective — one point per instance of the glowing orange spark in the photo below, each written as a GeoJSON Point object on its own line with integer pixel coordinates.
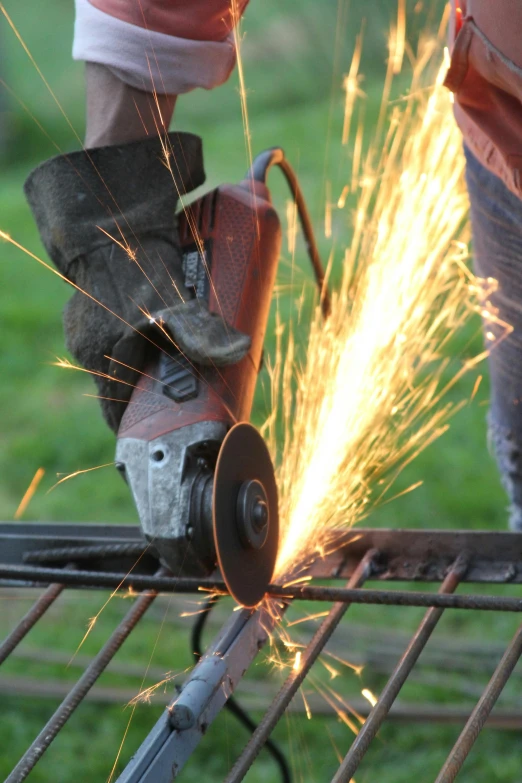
{"type": "Point", "coordinates": [351, 88]}
{"type": "Point", "coordinates": [369, 696]}
{"type": "Point", "coordinates": [358, 669]}
{"type": "Point", "coordinates": [297, 581]}
{"type": "Point", "coordinates": [8, 238]}
{"type": "Point", "coordinates": [476, 388]}
{"type": "Point", "coordinates": [400, 37]}
{"type": "Point", "coordinates": [308, 711]}
{"type": "Point", "coordinates": [337, 705]}
{"type": "Point", "coordinates": [341, 201]}
{"type": "Point", "coordinates": [236, 20]}
{"type": "Point", "coordinates": [291, 225]}
{"type": "Point", "coordinates": [93, 620]}
{"type": "Point", "coordinates": [78, 473]}
{"type": "Point", "coordinates": [332, 671]}
{"type": "Point", "coordinates": [406, 491]}
{"type": "Point", "coordinates": [193, 614]}
{"type": "Point", "coordinates": [307, 618]}
{"type": "Point", "coordinates": [29, 492]}
{"type": "Point", "coordinates": [145, 694]}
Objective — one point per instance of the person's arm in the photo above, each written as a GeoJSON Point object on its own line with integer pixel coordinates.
{"type": "Point", "coordinates": [107, 214]}
{"type": "Point", "coordinates": [140, 56]}
{"type": "Point", "coordinates": [118, 113]}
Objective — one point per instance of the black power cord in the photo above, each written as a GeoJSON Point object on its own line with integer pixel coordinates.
{"type": "Point", "coordinates": [258, 172]}
{"type": "Point", "coordinates": [232, 703]}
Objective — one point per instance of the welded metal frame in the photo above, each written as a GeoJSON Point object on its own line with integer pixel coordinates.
{"type": "Point", "coordinates": [96, 556]}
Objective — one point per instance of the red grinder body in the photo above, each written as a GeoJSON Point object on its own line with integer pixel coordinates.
{"type": "Point", "coordinates": [230, 242]}
{"type": "Point", "coordinates": [178, 416]}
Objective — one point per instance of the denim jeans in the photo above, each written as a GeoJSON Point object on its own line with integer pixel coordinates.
{"type": "Point", "coordinates": [496, 219]}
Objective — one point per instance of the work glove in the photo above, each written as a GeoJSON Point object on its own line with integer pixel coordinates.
{"type": "Point", "coordinates": [107, 219]}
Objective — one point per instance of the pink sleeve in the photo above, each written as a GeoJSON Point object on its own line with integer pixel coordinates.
{"type": "Point", "coordinates": [171, 46]}
{"type": "Point", "coordinates": [485, 77]}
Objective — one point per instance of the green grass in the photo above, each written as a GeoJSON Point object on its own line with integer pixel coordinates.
{"type": "Point", "coordinates": [47, 421]}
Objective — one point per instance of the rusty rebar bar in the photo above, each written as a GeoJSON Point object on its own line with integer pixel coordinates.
{"type": "Point", "coordinates": [482, 710]}
{"type": "Point", "coordinates": [397, 679]}
{"type": "Point", "coordinates": [487, 603]}
{"type": "Point", "coordinates": [37, 610]}
{"type": "Point", "coordinates": [171, 584]}
{"type": "Point", "coordinates": [296, 677]}
{"type": "Point", "coordinates": [86, 552]}
{"type": "Point", "coordinates": [80, 689]}
{"type": "Point", "coordinates": [110, 580]}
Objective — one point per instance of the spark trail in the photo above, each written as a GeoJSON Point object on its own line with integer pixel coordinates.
{"type": "Point", "coordinates": [368, 397]}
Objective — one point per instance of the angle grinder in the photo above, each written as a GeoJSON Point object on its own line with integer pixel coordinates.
{"type": "Point", "coordinates": [201, 477]}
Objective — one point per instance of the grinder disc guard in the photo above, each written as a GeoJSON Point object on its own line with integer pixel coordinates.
{"type": "Point", "coordinates": [245, 514]}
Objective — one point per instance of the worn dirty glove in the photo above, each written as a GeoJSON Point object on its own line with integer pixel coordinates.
{"type": "Point", "coordinates": [107, 219]}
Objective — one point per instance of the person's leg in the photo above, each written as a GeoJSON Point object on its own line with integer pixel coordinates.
{"type": "Point", "coordinates": [496, 217]}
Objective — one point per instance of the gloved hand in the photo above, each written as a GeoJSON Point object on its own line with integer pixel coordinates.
{"type": "Point", "coordinates": [107, 219]}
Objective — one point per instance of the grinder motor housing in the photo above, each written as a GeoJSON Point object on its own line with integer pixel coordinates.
{"type": "Point", "coordinates": [179, 414]}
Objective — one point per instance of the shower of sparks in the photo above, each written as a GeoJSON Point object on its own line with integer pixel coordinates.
{"type": "Point", "coordinates": [368, 398]}
{"type": "Point", "coordinates": [29, 492]}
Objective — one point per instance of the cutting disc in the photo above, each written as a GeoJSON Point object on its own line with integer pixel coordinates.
{"type": "Point", "coordinates": [244, 469]}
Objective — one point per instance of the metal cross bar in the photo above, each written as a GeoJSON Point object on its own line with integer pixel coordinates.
{"type": "Point", "coordinates": [405, 555]}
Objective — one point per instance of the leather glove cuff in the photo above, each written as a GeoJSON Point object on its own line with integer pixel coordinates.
{"type": "Point", "coordinates": [76, 197]}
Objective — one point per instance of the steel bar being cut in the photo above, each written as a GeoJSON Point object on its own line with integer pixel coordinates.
{"type": "Point", "coordinates": [170, 584]}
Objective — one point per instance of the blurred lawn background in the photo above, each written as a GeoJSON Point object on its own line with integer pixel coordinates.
{"type": "Point", "coordinates": [295, 55]}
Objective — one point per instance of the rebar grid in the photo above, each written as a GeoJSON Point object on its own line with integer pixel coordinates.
{"type": "Point", "coordinates": [170, 744]}
{"type": "Point", "coordinates": [81, 688]}
{"type": "Point", "coordinates": [391, 690]}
